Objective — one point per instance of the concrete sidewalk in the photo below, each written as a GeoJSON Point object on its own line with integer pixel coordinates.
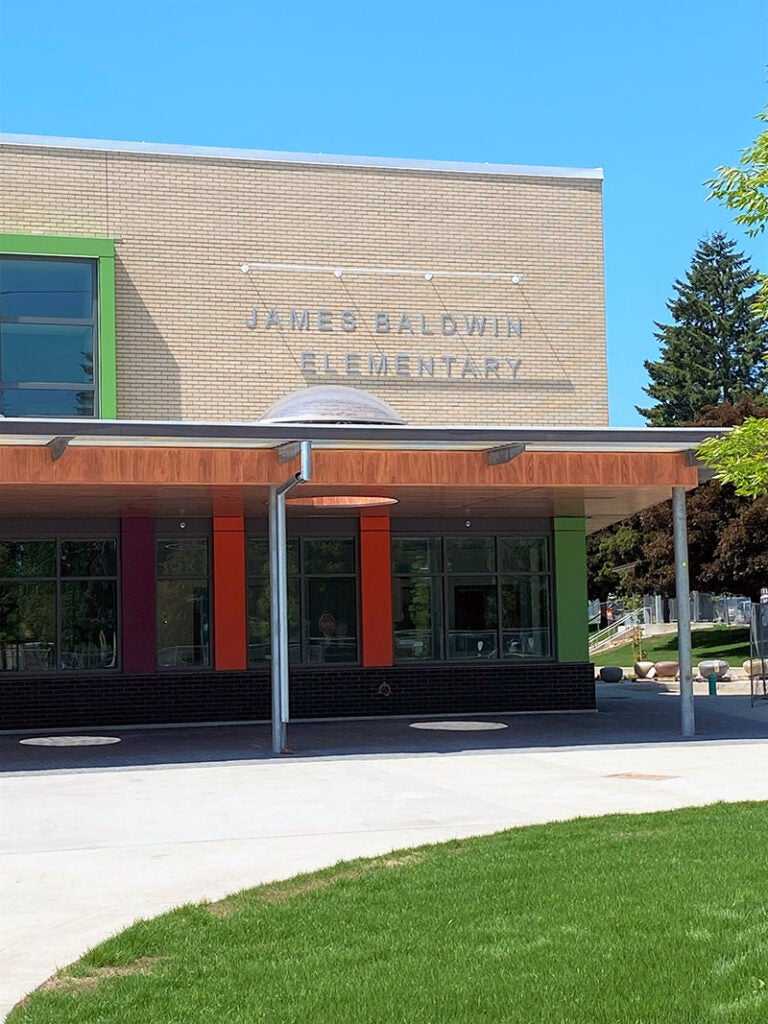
{"type": "Point", "coordinates": [172, 816]}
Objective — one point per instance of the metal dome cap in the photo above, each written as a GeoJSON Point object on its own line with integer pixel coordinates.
{"type": "Point", "coordinates": [331, 403]}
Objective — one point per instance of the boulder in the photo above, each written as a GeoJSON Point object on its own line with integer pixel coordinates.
{"type": "Point", "coordinates": [611, 674]}
{"type": "Point", "coordinates": [713, 667]}
{"type": "Point", "coordinates": [667, 669]}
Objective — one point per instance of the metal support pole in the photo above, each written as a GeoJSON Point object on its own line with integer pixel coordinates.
{"type": "Point", "coordinates": [282, 607]}
{"type": "Point", "coordinates": [274, 619]}
{"type": "Point", "coordinates": [278, 587]}
{"type": "Point", "coordinates": [683, 595]}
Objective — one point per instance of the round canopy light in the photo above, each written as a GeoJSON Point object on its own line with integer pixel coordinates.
{"type": "Point", "coordinates": [454, 726]}
{"type": "Point", "coordinates": [69, 741]}
{"type": "Point", "coordinates": [337, 501]}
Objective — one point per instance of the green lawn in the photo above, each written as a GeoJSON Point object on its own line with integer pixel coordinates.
{"type": "Point", "coordinates": [730, 643]}
{"type": "Point", "coordinates": [627, 919]}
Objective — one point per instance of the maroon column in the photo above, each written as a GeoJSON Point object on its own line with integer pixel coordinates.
{"type": "Point", "coordinates": [137, 591]}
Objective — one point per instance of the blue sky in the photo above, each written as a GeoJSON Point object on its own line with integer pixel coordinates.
{"type": "Point", "coordinates": [658, 94]}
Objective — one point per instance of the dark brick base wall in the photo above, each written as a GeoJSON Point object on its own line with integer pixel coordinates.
{"type": "Point", "coordinates": [68, 701]}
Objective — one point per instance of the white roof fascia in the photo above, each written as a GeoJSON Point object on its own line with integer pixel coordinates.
{"type": "Point", "coordinates": [234, 434]}
{"type": "Point", "coordinates": [323, 159]}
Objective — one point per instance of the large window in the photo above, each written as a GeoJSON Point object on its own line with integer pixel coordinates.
{"type": "Point", "coordinates": [58, 605]}
{"type": "Point", "coordinates": [183, 603]}
{"type": "Point", "coordinates": [48, 336]}
{"type": "Point", "coordinates": [322, 600]}
{"type": "Point", "coordinates": [471, 597]}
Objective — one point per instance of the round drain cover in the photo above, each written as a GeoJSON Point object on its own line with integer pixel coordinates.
{"type": "Point", "coordinates": [459, 726]}
{"type": "Point", "coordinates": [70, 741]}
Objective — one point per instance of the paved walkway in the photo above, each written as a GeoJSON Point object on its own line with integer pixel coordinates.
{"type": "Point", "coordinates": [94, 837]}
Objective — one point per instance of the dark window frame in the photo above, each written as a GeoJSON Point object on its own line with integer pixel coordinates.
{"type": "Point", "coordinates": [92, 322]}
{"type": "Point", "coordinates": [302, 575]}
{"type": "Point", "coordinates": [57, 579]}
{"type": "Point", "coordinates": [499, 576]}
{"type": "Point", "coordinates": [208, 665]}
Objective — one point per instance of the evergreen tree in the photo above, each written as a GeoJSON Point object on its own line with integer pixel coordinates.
{"type": "Point", "coordinates": [716, 348]}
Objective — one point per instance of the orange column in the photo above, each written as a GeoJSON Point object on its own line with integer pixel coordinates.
{"type": "Point", "coordinates": [229, 614]}
{"type": "Point", "coordinates": [375, 589]}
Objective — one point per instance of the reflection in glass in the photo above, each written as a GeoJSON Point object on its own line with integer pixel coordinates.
{"type": "Point", "coordinates": [489, 615]}
{"type": "Point", "coordinates": [259, 626]}
{"type": "Point", "coordinates": [27, 558]}
{"type": "Point", "coordinates": [88, 624]}
{"type": "Point", "coordinates": [417, 616]}
{"type": "Point", "coordinates": [46, 353]}
{"type": "Point", "coordinates": [328, 556]}
{"type": "Point", "coordinates": [330, 600]}
{"type": "Point", "coordinates": [525, 617]}
{"type": "Point", "coordinates": [63, 404]}
{"type": "Point", "coordinates": [45, 288]}
{"type": "Point", "coordinates": [183, 625]}
{"type": "Point", "coordinates": [522, 554]}
{"type": "Point", "coordinates": [183, 619]}
{"type": "Point", "coordinates": [27, 626]}
{"type": "Point", "coordinates": [257, 556]}
{"type": "Point", "coordinates": [181, 558]}
{"type": "Point", "coordinates": [470, 554]}
{"type": "Point", "coordinates": [416, 555]}
{"type": "Point", "coordinates": [88, 558]}
{"type": "Point", "coordinates": [330, 628]}
{"type": "Point", "coordinates": [472, 617]}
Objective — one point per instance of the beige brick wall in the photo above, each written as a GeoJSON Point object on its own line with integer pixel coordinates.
{"type": "Point", "coordinates": [185, 225]}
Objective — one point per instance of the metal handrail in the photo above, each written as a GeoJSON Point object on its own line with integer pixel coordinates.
{"type": "Point", "coordinates": [609, 632]}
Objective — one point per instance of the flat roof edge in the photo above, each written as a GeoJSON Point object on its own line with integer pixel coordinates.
{"type": "Point", "coordinates": [678, 438]}
{"type": "Point", "coordinates": [322, 159]}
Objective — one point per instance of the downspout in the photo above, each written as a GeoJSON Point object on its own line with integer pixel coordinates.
{"type": "Point", "coordinates": [278, 586]}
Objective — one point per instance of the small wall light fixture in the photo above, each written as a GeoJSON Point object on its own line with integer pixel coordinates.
{"type": "Point", "coordinates": [428, 276]}
{"type": "Point", "coordinates": [246, 268]}
{"type": "Point", "coordinates": [338, 272]}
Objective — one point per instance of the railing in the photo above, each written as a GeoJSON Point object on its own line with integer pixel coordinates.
{"type": "Point", "coordinates": [616, 629]}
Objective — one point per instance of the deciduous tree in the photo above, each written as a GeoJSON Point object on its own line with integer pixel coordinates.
{"type": "Point", "coordinates": [744, 189]}
{"type": "Point", "coordinates": [740, 457]}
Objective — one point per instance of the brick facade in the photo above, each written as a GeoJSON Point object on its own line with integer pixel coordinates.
{"type": "Point", "coordinates": [184, 225]}
{"type": "Point", "coordinates": [71, 701]}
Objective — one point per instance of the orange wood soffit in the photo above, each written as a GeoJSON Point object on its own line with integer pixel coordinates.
{"type": "Point", "coordinates": [20, 464]}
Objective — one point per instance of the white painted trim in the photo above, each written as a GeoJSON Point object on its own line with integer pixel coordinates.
{"type": "Point", "coordinates": [323, 159]}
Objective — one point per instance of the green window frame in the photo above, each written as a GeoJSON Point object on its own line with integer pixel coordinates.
{"type": "Point", "coordinates": [102, 252]}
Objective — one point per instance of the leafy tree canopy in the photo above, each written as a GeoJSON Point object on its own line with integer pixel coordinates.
{"type": "Point", "coordinates": [726, 535]}
{"type": "Point", "coordinates": [740, 457]}
{"type": "Point", "coordinates": [744, 189]}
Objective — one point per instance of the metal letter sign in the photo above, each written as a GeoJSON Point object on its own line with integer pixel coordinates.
{"type": "Point", "coordinates": [482, 328]}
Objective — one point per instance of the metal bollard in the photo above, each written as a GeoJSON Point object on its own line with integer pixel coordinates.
{"type": "Point", "coordinates": [712, 678]}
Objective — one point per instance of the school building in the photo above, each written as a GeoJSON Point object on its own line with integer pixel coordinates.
{"type": "Point", "coordinates": [319, 432]}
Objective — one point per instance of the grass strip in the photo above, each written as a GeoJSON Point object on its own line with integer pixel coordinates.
{"type": "Point", "coordinates": [625, 919]}
{"type": "Point", "coordinates": [729, 643]}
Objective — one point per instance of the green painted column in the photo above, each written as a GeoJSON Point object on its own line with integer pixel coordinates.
{"type": "Point", "coordinates": [570, 577]}
{"type": "Point", "coordinates": [107, 340]}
